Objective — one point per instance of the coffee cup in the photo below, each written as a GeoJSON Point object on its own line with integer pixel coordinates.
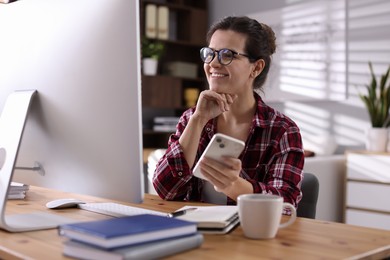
{"type": "Point", "coordinates": [260, 215]}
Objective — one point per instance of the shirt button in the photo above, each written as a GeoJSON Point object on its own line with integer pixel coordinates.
{"type": "Point", "coordinates": [208, 129]}
{"type": "Point", "coordinates": [180, 174]}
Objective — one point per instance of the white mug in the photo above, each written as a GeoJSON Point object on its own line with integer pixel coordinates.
{"type": "Point", "coordinates": [260, 215]}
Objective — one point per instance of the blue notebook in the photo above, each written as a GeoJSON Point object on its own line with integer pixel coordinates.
{"type": "Point", "coordinates": [152, 250]}
{"type": "Point", "coordinates": [116, 232]}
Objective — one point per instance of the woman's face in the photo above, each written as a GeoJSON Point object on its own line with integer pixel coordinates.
{"type": "Point", "coordinates": [235, 77]}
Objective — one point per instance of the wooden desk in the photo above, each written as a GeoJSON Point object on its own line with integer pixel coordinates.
{"type": "Point", "coordinates": [305, 239]}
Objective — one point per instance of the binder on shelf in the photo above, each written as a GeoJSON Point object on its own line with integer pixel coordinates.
{"type": "Point", "coordinates": [172, 26]}
{"type": "Point", "coordinates": [162, 22]}
{"type": "Point", "coordinates": [151, 21]}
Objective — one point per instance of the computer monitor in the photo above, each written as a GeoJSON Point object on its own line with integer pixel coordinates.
{"type": "Point", "coordinates": [84, 125]}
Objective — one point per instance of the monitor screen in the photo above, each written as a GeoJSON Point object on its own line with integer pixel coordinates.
{"type": "Point", "coordinates": [84, 125]}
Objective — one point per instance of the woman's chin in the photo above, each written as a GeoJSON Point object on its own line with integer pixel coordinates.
{"type": "Point", "coordinates": [218, 88]}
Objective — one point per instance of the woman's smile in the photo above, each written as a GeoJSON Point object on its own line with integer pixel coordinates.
{"type": "Point", "coordinates": [218, 75]}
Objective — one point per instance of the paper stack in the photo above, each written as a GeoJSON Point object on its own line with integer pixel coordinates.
{"type": "Point", "coordinates": [165, 124]}
{"type": "Point", "coordinates": [133, 237]}
{"type": "Point", "coordinates": [17, 190]}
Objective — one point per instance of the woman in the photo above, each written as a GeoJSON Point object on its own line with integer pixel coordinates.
{"type": "Point", "coordinates": [236, 62]}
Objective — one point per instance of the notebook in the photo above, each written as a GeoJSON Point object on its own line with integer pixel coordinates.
{"type": "Point", "coordinates": [152, 250]}
{"type": "Point", "coordinates": [212, 219]}
{"type": "Point", "coordinates": [124, 231]}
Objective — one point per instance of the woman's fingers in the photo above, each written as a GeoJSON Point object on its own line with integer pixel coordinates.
{"type": "Point", "coordinates": [220, 174]}
{"type": "Point", "coordinates": [212, 104]}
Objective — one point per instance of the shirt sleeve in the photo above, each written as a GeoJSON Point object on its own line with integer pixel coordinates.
{"type": "Point", "coordinates": [173, 178]}
{"type": "Point", "coordinates": [285, 169]}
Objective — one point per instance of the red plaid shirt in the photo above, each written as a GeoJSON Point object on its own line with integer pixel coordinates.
{"type": "Point", "coordinates": [272, 160]}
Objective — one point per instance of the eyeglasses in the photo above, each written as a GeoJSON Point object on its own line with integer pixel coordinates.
{"type": "Point", "coordinates": [225, 56]}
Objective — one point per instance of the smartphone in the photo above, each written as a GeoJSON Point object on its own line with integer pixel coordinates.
{"type": "Point", "coordinates": [219, 146]}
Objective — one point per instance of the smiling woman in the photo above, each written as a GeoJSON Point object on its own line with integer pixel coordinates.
{"type": "Point", "coordinates": [236, 62]}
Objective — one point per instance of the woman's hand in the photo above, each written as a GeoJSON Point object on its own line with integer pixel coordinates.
{"type": "Point", "coordinates": [211, 104]}
{"type": "Point", "coordinates": [222, 175]}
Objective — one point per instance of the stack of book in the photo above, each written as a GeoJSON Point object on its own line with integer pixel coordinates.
{"type": "Point", "coordinates": [133, 237]}
{"type": "Point", "coordinates": [17, 190]}
{"type": "Point", "coordinates": [165, 124]}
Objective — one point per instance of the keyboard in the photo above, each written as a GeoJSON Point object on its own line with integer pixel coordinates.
{"type": "Point", "coordinates": [117, 210]}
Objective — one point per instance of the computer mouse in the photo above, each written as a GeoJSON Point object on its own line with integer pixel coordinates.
{"type": "Point", "coordinates": [64, 203]}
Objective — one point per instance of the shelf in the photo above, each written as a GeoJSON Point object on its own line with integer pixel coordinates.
{"type": "Point", "coordinates": [180, 5]}
{"type": "Point", "coordinates": [151, 131]}
{"type": "Point", "coordinates": [184, 43]}
{"type": "Point", "coordinates": [166, 91]}
{"type": "Point", "coordinates": [367, 189]}
{"type": "Point", "coordinates": [197, 80]}
{"type": "Point", "coordinates": [189, 24]}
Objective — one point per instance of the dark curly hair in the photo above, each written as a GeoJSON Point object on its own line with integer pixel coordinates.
{"type": "Point", "coordinates": [260, 42]}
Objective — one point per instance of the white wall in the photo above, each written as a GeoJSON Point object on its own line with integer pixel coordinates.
{"type": "Point", "coordinates": [221, 8]}
{"type": "Point", "coordinates": [368, 40]}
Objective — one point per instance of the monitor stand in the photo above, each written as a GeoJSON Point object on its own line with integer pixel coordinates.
{"type": "Point", "coordinates": [12, 122]}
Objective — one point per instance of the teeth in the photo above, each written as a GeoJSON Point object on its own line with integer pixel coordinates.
{"type": "Point", "coordinates": [218, 75]}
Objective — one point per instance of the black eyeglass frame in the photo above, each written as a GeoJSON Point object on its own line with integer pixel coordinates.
{"type": "Point", "coordinates": [219, 56]}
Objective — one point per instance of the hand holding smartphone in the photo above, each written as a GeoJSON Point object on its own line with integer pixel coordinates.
{"type": "Point", "coordinates": [219, 146]}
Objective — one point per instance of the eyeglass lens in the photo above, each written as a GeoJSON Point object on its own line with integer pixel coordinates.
{"type": "Point", "coordinates": [225, 56]}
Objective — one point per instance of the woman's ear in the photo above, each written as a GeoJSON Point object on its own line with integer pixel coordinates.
{"type": "Point", "coordinates": [258, 68]}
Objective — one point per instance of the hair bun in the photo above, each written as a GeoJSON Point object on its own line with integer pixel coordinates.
{"type": "Point", "coordinates": [271, 38]}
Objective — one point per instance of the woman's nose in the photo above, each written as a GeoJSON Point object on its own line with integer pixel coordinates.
{"type": "Point", "coordinates": [215, 62]}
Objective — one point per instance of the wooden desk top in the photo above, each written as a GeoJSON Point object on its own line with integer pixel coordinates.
{"type": "Point", "coordinates": [305, 239]}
